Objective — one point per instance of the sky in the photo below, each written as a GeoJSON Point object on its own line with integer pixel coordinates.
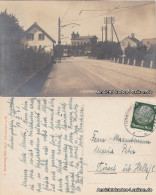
{"type": "Point", "coordinates": [130, 17]}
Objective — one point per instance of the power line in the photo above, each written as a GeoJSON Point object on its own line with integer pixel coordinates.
{"type": "Point", "coordinates": [93, 10]}
{"type": "Point", "coordinates": [64, 14]}
{"type": "Point", "coordinates": [115, 10]}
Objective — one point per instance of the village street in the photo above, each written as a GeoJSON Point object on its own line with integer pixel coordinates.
{"type": "Point", "coordinates": [81, 76]}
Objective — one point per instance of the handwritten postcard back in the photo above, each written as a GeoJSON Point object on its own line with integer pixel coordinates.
{"type": "Point", "coordinates": [77, 48]}
{"type": "Point", "coordinates": [61, 129]}
{"type": "Point", "coordinates": [80, 146]}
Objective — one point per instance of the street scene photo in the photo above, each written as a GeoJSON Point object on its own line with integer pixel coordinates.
{"type": "Point", "coordinates": [77, 48]}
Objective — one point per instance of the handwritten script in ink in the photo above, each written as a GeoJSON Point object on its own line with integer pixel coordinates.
{"type": "Point", "coordinates": [48, 137]}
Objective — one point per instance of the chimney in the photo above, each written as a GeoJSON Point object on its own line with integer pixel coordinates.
{"type": "Point", "coordinates": [132, 35]}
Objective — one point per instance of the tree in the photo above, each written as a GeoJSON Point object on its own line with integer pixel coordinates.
{"type": "Point", "coordinates": [16, 62]}
{"type": "Point", "coordinates": [106, 50]}
{"type": "Point", "coordinates": [130, 52]}
{"type": "Point", "coordinates": [10, 30]}
{"type": "Point", "coordinates": [136, 52]}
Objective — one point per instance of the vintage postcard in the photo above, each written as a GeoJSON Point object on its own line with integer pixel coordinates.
{"type": "Point", "coordinates": [77, 105]}
{"type": "Point", "coordinates": [77, 48]}
{"type": "Point", "coordinates": [77, 146]}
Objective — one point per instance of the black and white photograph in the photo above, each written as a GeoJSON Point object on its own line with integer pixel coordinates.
{"type": "Point", "coordinates": [77, 48]}
{"type": "Point", "coordinates": [77, 97]}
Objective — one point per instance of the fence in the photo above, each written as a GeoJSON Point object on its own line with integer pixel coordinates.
{"type": "Point", "coordinates": [135, 62]}
{"type": "Point", "coordinates": [18, 66]}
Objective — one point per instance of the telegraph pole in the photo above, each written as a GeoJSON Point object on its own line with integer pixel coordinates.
{"type": "Point", "coordinates": [115, 33]}
{"type": "Point", "coordinates": [110, 20]}
{"type": "Point", "coordinates": [106, 29]}
{"type": "Point", "coordinates": [112, 28]}
{"type": "Point", "coordinates": [102, 33]}
{"type": "Point", "coordinates": [59, 40]}
{"type": "Point", "coordinates": [60, 26]}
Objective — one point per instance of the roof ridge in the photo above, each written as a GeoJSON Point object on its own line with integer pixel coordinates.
{"type": "Point", "coordinates": [149, 38]}
{"type": "Point", "coordinates": [35, 24]}
{"type": "Point", "coordinates": [80, 37]}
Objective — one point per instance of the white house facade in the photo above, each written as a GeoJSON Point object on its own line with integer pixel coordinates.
{"type": "Point", "coordinates": [36, 38]}
{"type": "Point", "coordinates": [129, 42]}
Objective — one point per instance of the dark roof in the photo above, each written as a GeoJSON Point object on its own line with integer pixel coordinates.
{"type": "Point", "coordinates": [85, 37]}
{"type": "Point", "coordinates": [150, 39]}
{"type": "Point", "coordinates": [133, 39]}
{"type": "Point", "coordinates": [36, 25]}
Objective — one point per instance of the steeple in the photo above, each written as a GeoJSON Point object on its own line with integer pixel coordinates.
{"type": "Point", "coordinates": [73, 35]}
{"type": "Point", "coordinates": [77, 34]}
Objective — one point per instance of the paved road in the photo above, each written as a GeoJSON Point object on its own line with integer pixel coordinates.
{"type": "Point", "coordinates": [80, 76]}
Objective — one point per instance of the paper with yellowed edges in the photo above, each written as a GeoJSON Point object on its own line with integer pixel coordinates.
{"type": "Point", "coordinates": [77, 48]}
{"type": "Point", "coordinates": [77, 105]}
{"type": "Point", "coordinates": [80, 146]}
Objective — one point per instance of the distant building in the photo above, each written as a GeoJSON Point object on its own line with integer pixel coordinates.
{"type": "Point", "coordinates": [149, 42]}
{"type": "Point", "coordinates": [129, 42]}
{"type": "Point", "coordinates": [36, 38]}
{"type": "Point", "coordinates": [76, 39]}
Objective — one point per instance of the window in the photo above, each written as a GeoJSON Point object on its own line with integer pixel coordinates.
{"type": "Point", "coordinates": [41, 36]}
{"type": "Point", "coordinates": [30, 36]}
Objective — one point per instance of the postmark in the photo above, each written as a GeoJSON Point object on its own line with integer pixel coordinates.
{"type": "Point", "coordinates": [140, 119]}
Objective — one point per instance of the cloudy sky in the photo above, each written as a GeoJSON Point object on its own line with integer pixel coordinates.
{"type": "Point", "coordinates": [130, 17]}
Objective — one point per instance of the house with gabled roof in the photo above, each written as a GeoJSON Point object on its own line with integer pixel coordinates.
{"type": "Point", "coordinates": [149, 42]}
{"type": "Point", "coordinates": [130, 41]}
{"type": "Point", "coordinates": [36, 38]}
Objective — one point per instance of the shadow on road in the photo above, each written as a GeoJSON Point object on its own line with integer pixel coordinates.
{"type": "Point", "coordinates": [33, 87]}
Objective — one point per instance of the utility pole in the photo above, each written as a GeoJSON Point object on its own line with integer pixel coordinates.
{"type": "Point", "coordinates": [59, 40]}
{"type": "Point", "coordinates": [106, 29]}
{"type": "Point", "coordinates": [115, 33]}
{"type": "Point", "coordinates": [112, 28]}
{"type": "Point", "coordinates": [110, 20]}
{"type": "Point", "coordinates": [60, 26]}
{"type": "Point", "coordinates": [102, 33]}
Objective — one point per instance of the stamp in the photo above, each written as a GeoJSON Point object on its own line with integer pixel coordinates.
{"type": "Point", "coordinates": [143, 116]}
{"type": "Point", "coordinates": [140, 120]}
